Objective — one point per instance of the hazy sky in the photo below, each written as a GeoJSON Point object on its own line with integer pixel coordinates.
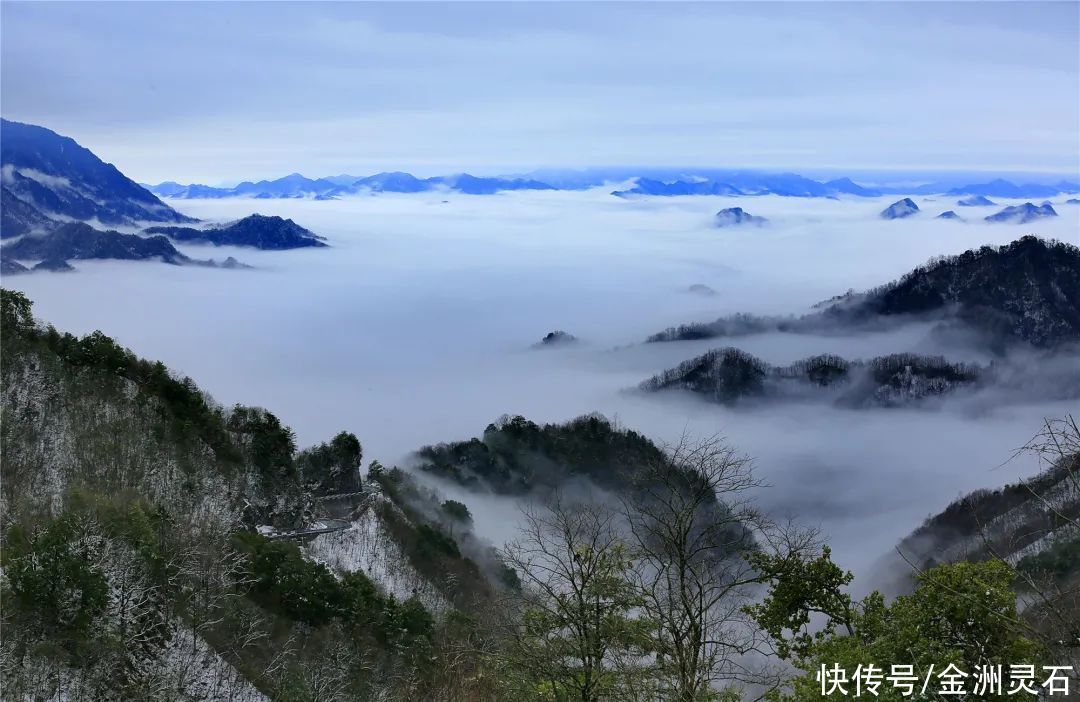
{"type": "Point", "coordinates": [215, 92]}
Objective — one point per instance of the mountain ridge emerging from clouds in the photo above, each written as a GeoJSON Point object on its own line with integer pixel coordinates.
{"type": "Point", "coordinates": [729, 375]}
{"type": "Point", "coordinates": [60, 179]}
{"type": "Point", "coordinates": [55, 193]}
{"type": "Point", "coordinates": [1026, 291]}
{"type": "Point", "coordinates": [80, 241]}
{"type": "Point", "coordinates": [270, 233]}
{"type": "Point", "coordinates": [706, 182]}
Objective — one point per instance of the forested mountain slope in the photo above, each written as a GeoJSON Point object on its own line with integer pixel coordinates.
{"type": "Point", "coordinates": [133, 569]}
{"type": "Point", "coordinates": [1034, 523]}
{"type": "Point", "coordinates": [1027, 291]}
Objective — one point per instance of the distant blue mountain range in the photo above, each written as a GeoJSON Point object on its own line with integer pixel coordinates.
{"type": "Point", "coordinates": [1003, 188]}
{"type": "Point", "coordinates": [706, 182]}
{"type": "Point", "coordinates": [297, 186]}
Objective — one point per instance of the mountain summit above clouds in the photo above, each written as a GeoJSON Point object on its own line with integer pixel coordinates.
{"type": "Point", "coordinates": [47, 176]}
{"type": "Point", "coordinates": [900, 209]}
{"type": "Point", "coordinates": [1022, 214]}
{"type": "Point", "coordinates": [56, 196]}
{"type": "Point", "coordinates": [737, 216]}
{"type": "Point", "coordinates": [1026, 291]}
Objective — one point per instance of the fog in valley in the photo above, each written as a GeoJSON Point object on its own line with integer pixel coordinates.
{"type": "Point", "coordinates": [416, 326]}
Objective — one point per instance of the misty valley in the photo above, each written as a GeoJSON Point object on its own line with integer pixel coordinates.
{"type": "Point", "coordinates": [612, 435]}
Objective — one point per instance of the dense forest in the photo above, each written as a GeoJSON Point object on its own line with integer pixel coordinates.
{"type": "Point", "coordinates": [158, 546]}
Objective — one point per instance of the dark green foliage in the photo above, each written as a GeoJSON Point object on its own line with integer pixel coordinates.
{"type": "Point", "coordinates": [457, 511]}
{"type": "Point", "coordinates": [455, 515]}
{"type": "Point", "coordinates": [60, 595]}
{"type": "Point", "coordinates": [412, 619]}
{"type": "Point", "coordinates": [516, 455]}
{"type": "Point", "coordinates": [1060, 561]}
{"type": "Point", "coordinates": [16, 316]}
{"type": "Point", "coordinates": [420, 528]}
{"type": "Point", "coordinates": [181, 401]}
{"type": "Point", "coordinates": [432, 543]}
{"type": "Point", "coordinates": [268, 444]}
{"type": "Point", "coordinates": [333, 467]}
{"type": "Point", "coordinates": [963, 614]}
{"type": "Point", "coordinates": [287, 583]}
{"type": "Point", "coordinates": [509, 578]}
{"type": "Point", "coordinates": [147, 528]}
{"type": "Point", "coordinates": [53, 582]}
{"type": "Point", "coordinates": [382, 616]}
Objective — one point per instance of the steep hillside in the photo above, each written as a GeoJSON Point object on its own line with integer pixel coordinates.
{"type": "Point", "coordinates": [1029, 290]}
{"type": "Point", "coordinates": [1034, 525]}
{"type": "Point", "coordinates": [56, 195]}
{"type": "Point", "coordinates": [1027, 523]}
{"type": "Point", "coordinates": [77, 240]}
{"type": "Point", "coordinates": [62, 179]}
{"type": "Point", "coordinates": [1026, 291]}
{"type": "Point", "coordinates": [157, 546]}
{"type": "Point", "coordinates": [18, 217]}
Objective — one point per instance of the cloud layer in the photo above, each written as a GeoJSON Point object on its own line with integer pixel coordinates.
{"type": "Point", "coordinates": [416, 325]}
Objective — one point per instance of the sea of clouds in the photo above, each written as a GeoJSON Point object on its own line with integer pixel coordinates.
{"type": "Point", "coordinates": [416, 327]}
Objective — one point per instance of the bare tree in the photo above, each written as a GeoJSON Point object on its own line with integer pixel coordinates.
{"type": "Point", "coordinates": [577, 603]}
{"type": "Point", "coordinates": [1053, 599]}
{"type": "Point", "coordinates": [1040, 517]}
{"type": "Point", "coordinates": [692, 517]}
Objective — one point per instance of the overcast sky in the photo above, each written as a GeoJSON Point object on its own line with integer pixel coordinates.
{"type": "Point", "coordinates": [216, 92]}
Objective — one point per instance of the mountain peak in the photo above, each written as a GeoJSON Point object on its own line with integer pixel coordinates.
{"type": "Point", "coordinates": [58, 178]}
{"type": "Point", "coordinates": [1022, 214]}
{"type": "Point", "coordinates": [900, 209]}
{"type": "Point", "coordinates": [737, 216]}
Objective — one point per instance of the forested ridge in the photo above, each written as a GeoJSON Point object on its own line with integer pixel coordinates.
{"type": "Point", "coordinates": [729, 375]}
{"type": "Point", "coordinates": [1026, 292]}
